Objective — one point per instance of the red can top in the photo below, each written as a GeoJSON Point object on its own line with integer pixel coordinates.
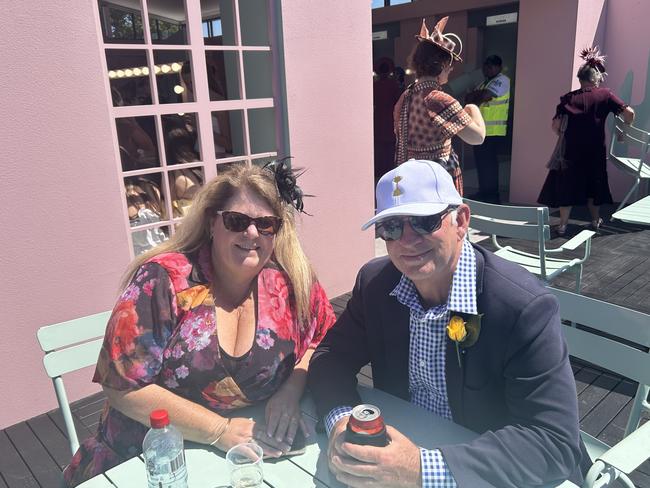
{"type": "Point", "coordinates": [366, 419]}
{"type": "Point", "coordinates": [159, 419]}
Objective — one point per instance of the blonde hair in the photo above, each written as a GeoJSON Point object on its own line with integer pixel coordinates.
{"type": "Point", "coordinates": [194, 232]}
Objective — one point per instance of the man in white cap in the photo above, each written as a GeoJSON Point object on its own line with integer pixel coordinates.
{"type": "Point", "coordinates": [511, 381]}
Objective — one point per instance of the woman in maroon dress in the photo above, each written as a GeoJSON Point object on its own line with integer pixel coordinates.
{"type": "Point", "coordinates": [582, 177]}
{"type": "Point", "coordinates": [426, 118]}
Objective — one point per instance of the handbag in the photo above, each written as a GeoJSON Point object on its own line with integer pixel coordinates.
{"type": "Point", "coordinates": [558, 160]}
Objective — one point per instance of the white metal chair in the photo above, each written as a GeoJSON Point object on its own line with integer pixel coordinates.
{"type": "Point", "coordinates": [637, 167]}
{"type": "Point", "coordinates": [70, 346]}
{"type": "Point", "coordinates": [532, 224]}
{"type": "Point", "coordinates": [618, 341]}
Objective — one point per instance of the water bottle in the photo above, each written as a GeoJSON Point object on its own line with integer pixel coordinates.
{"type": "Point", "coordinates": [163, 453]}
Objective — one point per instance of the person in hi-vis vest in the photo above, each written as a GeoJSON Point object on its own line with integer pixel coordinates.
{"type": "Point", "coordinates": [493, 98]}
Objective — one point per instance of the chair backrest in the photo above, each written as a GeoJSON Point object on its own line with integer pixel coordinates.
{"type": "Point", "coordinates": [629, 135]}
{"type": "Point", "coordinates": [621, 344]}
{"type": "Point", "coordinates": [70, 346]}
{"type": "Point", "coordinates": [528, 223]}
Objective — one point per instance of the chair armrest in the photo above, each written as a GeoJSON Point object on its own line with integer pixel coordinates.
{"type": "Point", "coordinates": [576, 241]}
{"type": "Point", "coordinates": [631, 452]}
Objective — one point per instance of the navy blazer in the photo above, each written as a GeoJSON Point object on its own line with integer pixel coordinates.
{"type": "Point", "coordinates": [515, 386]}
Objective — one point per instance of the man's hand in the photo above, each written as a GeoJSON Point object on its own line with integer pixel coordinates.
{"type": "Point", "coordinates": [396, 465]}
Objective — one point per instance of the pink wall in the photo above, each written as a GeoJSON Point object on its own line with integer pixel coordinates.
{"type": "Point", "coordinates": [64, 239]}
{"type": "Point", "coordinates": [544, 65]}
{"type": "Point", "coordinates": [328, 58]}
{"type": "Point", "coordinates": [628, 48]}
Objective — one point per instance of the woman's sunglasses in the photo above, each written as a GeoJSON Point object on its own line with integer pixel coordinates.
{"type": "Point", "coordinates": [392, 229]}
{"type": "Point", "coordinates": [239, 222]}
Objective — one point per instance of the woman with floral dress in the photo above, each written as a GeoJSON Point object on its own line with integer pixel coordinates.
{"type": "Point", "coordinates": [223, 315]}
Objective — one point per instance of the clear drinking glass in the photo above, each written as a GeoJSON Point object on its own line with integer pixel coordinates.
{"type": "Point", "coordinates": [245, 463]}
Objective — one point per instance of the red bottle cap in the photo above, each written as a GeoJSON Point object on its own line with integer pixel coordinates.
{"type": "Point", "coordinates": [158, 419]}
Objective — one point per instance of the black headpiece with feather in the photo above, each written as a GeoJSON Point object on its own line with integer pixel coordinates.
{"type": "Point", "coordinates": [286, 180]}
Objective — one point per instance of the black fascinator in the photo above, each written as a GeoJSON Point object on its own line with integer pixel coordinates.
{"type": "Point", "coordinates": [286, 181]}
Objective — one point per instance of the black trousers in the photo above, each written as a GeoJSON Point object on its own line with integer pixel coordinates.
{"type": "Point", "coordinates": [487, 167]}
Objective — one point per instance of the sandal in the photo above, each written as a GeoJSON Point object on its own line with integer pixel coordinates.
{"type": "Point", "coordinates": [561, 230]}
{"type": "Point", "coordinates": [595, 224]}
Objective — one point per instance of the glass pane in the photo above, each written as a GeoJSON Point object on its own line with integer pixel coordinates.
{"type": "Point", "coordinates": [261, 162]}
{"type": "Point", "coordinates": [253, 16]}
{"type": "Point", "coordinates": [377, 3]}
{"type": "Point", "coordinates": [181, 138]}
{"type": "Point", "coordinates": [137, 139]}
{"type": "Point", "coordinates": [143, 240]}
{"type": "Point", "coordinates": [183, 185]}
{"type": "Point", "coordinates": [174, 76]}
{"type": "Point", "coordinates": [223, 167]}
{"type": "Point", "coordinates": [258, 74]}
{"type": "Point", "coordinates": [261, 123]}
{"type": "Point", "coordinates": [399, 2]}
{"type": "Point", "coordinates": [223, 75]}
{"type": "Point", "coordinates": [218, 17]}
{"type": "Point", "coordinates": [144, 199]}
{"type": "Point", "coordinates": [121, 24]}
{"type": "Point", "coordinates": [167, 21]}
{"type": "Point", "coordinates": [129, 77]}
{"type": "Point", "coordinates": [228, 132]}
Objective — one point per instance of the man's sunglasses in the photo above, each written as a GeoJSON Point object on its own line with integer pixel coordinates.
{"type": "Point", "coordinates": [392, 229]}
{"type": "Point", "coordinates": [239, 222]}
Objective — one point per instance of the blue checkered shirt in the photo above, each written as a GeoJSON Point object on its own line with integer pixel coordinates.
{"type": "Point", "coordinates": [427, 384]}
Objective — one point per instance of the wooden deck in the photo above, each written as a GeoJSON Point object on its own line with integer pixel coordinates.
{"type": "Point", "coordinates": [33, 453]}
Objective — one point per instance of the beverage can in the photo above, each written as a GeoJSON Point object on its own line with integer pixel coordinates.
{"type": "Point", "coordinates": [366, 426]}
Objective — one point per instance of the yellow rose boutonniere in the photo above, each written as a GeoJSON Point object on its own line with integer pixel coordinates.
{"type": "Point", "coordinates": [464, 329]}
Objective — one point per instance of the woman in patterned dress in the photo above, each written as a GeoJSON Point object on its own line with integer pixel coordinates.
{"type": "Point", "coordinates": [223, 315]}
{"type": "Point", "coordinates": [426, 118]}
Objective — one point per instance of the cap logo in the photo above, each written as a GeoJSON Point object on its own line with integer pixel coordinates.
{"type": "Point", "coordinates": [397, 191]}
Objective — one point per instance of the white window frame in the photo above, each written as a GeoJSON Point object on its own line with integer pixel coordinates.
{"type": "Point", "coordinates": [203, 107]}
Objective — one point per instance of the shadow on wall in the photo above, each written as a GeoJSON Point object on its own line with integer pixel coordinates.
{"type": "Point", "coordinates": [642, 110]}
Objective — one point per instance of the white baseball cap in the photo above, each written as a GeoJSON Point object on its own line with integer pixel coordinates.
{"type": "Point", "coordinates": [415, 187]}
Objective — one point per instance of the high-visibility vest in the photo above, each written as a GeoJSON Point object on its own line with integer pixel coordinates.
{"type": "Point", "coordinates": [495, 113]}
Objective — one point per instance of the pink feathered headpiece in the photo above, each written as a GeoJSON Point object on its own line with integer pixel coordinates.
{"type": "Point", "coordinates": [594, 58]}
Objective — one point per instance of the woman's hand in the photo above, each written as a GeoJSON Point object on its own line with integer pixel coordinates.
{"type": "Point", "coordinates": [283, 418]}
{"type": "Point", "coordinates": [240, 430]}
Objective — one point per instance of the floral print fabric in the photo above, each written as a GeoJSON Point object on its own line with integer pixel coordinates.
{"type": "Point", "coordinates": [163, 331]}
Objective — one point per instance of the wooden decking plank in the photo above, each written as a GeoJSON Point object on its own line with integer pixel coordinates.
{"type": "Point", "coordinates": [51, 437]}
{"type": "Point", "coordinates": [43, 467]}
{"type": "Point", "coordinates": [591, 396]}
{"type": "Point", "coordinates": [597, 420]}
{"type": "Point", "coordinates": [15, 472]}
{"type": "Point", "coordinates": [83, 432]}
{"type": "Point", "coordinates": [584, 378]}
{"type": "Point", "coordinates": [84, 409]}
{"type": "Point", "coordinates": [640, 479]}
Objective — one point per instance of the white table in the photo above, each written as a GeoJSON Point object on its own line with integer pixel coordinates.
{"type": "Point", "coordinates": [207, 467]}
{"type": "Point", "coordinates": [635, 213]}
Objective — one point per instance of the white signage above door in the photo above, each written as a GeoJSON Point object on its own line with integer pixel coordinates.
{"type": "Point", "coordinates": [379, 35]}
{"type": "Point", "coordinates": [510, 18]}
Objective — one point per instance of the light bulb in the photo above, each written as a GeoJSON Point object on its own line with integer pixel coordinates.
{"type": "Point", "coordinates": [145, 71]}
{"type": "Point", "coordinates": [112, 74]}
{"type": "Point", "coordinates": [137, 72]}
{"type": "Point", "coordinates": [120, 73]}
{"type": "Point", "coordinates": [156, 69]}
{"type": "Point", "coordinates": [128, 72]}
{"type": "Point", "coordinates": [176, 67]}
{"type": "Point", "coordinates": [178, 89]}
{"type": "Point", "coordinates": [165, 68]}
